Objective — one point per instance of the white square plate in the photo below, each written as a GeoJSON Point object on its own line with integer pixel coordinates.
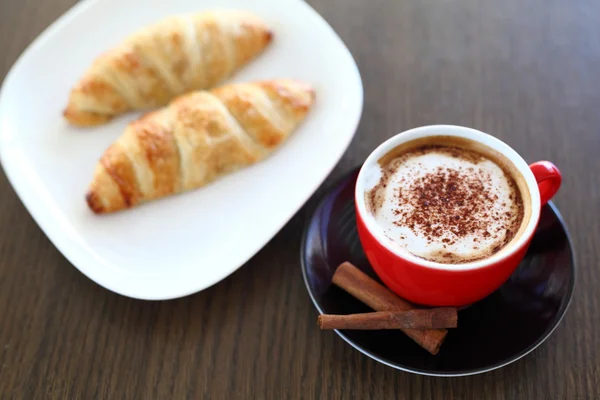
{"type": "Point", "coordinates": [182, 244]}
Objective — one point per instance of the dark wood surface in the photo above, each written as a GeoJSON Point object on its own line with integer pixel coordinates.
{"type": "Point", "coordinates": [525, 71]}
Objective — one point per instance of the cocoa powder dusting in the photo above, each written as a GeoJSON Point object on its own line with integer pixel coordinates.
{"type": "Point", "coordinates": [448, 204]}
{"type": "Point", "coordinates": [446, 200]}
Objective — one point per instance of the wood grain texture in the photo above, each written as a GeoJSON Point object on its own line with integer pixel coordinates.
{"type": "Point", "coordinates": [524, 71]}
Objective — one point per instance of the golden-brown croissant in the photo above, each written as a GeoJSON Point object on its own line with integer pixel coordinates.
{"type": "Point", "coordinates": [173, 56]}
{"type": "Point", "coordinates": [195, 139]}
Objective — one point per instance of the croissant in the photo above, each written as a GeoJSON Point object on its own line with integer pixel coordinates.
{"type": "Point", "coordinates": [173, 56]}
{"type": "Point", "coordinates": [195, 139]}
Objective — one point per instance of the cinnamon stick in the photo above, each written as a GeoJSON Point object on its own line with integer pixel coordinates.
{"type": "Point", "coordinates": [378, 297]}
{"type": "Point", "coordinates": [435, 318]}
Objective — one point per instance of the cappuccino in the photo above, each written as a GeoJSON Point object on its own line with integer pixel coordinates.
{"type": "Point", "coordinates": [447, 200]}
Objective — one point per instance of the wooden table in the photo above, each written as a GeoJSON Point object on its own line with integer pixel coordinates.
{"type": "Point", "coordinates": [525, 71]}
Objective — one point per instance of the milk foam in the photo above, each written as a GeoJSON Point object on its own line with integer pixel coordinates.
{"type": "Point", "coordinates": [404, 194]}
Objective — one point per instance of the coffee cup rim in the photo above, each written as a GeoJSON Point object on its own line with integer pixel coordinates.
{"type": "Point", "coordinates": [455, 131]}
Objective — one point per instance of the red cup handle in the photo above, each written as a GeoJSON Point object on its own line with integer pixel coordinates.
{"type": "Point", "coordinates": [548, 178]}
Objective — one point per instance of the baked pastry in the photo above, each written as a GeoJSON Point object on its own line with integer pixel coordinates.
{"type": "Point", "coordinates": [173, 56]}
{"type": "Point", "coordinates": [197, 138]}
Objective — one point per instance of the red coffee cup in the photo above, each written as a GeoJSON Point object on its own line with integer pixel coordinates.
{"type": "Point", "coordinates": [435, 284]}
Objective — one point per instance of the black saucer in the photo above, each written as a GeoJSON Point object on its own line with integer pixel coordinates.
{"type": "Point", "coordinates": [492, 333]}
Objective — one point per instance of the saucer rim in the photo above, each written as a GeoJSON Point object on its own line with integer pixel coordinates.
{"type": "Point", "coordinates": [561, 313]}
